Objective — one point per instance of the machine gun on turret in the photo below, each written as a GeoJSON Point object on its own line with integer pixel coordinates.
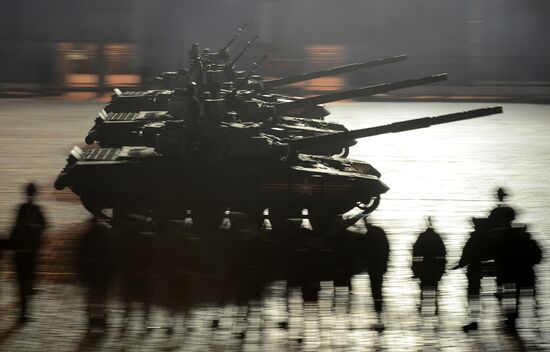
{"type": "Point", "coordinates": [224, 52]}
{"type": "Point", "coordinates": [229, 68]}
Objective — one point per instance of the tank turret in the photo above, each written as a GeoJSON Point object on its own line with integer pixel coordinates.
{"type": "Point", "coordinates": [269, 115]}
{"type": "Point", "coordinates": [133, 101]}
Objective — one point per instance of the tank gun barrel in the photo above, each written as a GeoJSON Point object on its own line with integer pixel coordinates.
{"type": "Point", "coordinates": [359, 92]}
{"type": "Point", "coordinates": [273, 83]}
{"type": "Point", "coordinates": [245, 49]}
{"type": "Point", "coordinates": [407, 125]}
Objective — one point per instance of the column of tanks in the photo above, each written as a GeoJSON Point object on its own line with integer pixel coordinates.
{"type": "Point", "coordinates": [213, 139]}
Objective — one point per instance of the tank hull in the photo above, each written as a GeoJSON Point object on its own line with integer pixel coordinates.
{"type": "Point", "coordinates": [170, 187]}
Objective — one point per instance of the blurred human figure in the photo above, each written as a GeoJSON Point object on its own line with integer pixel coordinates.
{"type": "Point", "coordinates": [25, 241]}
{"type": "Point", "coordinates": [501, 218]}
{"type": "Point", "coordinates": [478, 250]}
{"type": "Point", "coordinates": [136, 246]}
{"type": "Point", "coordinates": [517, 254]}
{"type": "Point", "coordinates": [428, 265]}
{"type": "Point", "coordinates": [95, 264]}
{"type": "Point", "coordinates": [378, 251]}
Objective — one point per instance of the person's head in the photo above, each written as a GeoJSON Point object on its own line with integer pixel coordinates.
{"type": "Point", "coordinates": [501, 194]}
{"type": "Point", "coordinates": [31, 190]}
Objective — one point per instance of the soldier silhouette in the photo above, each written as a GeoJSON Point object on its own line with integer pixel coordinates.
{"type": "Point", "coordinates": [95, 264]}
{"type": "Point", "coordinates": [25, 241]}
{"type": "Point", "coordinates": [479, 249]}
{"type": "Point", "coordinates": [428, 265]}
{"type": "Point", "coordinates": [378, 251]}
{"type": "Point", "coordinates": [517, 254]}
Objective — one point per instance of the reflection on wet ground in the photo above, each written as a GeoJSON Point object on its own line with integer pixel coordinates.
{"type": "Point", "coordinates": [240, 296]}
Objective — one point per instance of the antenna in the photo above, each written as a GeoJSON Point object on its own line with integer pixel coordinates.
{"type": "Point", "coordinates": [243, 51]}
{"type": "Point", "coordinates": [237, 35]}
{"type": "Point", "coordinates": [180, 52]}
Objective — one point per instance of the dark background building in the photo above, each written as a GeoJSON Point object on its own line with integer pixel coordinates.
{"type": "Point", "coordinates": [484, 45]}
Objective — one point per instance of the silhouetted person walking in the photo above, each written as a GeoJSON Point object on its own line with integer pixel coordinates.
{"type": "Point", "coordinates": [479, 248]}
{"type": "Point", "coordinates": [25, 240]}
{"type": "Point", "coordinates": [429, 260]}
{"type": "Point", "coordinates": [136, 246]}
{"type": "Point", "coordinates": [378, 251]}
{"type": "Point", "coordinates": [95, 264]}
{"type": "Point", "coordinates": [517, 254]}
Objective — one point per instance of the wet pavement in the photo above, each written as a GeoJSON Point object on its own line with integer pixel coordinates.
{"type": "Point", "coordinates": [449, 172]}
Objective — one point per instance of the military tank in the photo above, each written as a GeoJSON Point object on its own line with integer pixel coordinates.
{"type": "Point", "coordinates": [179, 175]}
{"type": "Point", "coordinates": [151, 100]}
{"type": "Point", "coordinates": [127, 129]}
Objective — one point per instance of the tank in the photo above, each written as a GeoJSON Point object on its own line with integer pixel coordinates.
{"type": "Point", "coordinates": [127, 129]}
{"type": "Point", "coordinates": [206, 177]}
{"type": "Point", "coordinates": [134, 101]}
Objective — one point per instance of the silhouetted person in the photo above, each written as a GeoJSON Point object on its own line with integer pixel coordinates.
{"type": "Point", "coordinates": [517, 254]}
{"type": "Point", "coordinates": [378, 251]}
{"type": "Point", "coordinates": [429, 259]}
{"type": "Point", "coordinates": [25, 240]}
{"type": "Point", "coordinates": [95, 264]}
{"type": "Point", "coordinates": [135, 249]}
{"type": "Point", "coordinates": [479, 248]}
{"type": "Point", "coordinates": [501, 218]}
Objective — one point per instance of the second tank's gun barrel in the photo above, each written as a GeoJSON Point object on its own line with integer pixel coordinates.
{"type": "Point", "coordinates": [359, 92]}
{"type": "Point", "coordinates": [407, 125]}
{"type": "Point", "coordinates": [273, 83]}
